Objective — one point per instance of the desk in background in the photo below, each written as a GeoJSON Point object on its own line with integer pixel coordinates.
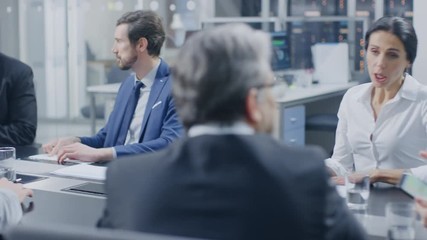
{"type": "Point", "coordinates": [106, 89]}
{"type": "Point", "coordinates": [291, 112]}
{"type": "Point", "coordinates": [97, 71]}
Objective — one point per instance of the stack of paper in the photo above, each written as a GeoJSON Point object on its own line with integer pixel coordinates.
{"type": "Point", "coordinates": [44, 157]}
{"type": "Point", "coordinates": [83, 171]}
{"type": "Point", "coordinates": [331, 62]}
{"type": "Point", "coordinates": [53, 158]}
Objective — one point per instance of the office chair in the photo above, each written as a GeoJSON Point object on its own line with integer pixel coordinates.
{"type": "Point", "coordinates": [115, 75]}
{"type": "Point", "coordinates": [326, 123]}
{"type": "Point", "coordinates": [99, 111]}
{"type": "Point", "coordinates": [321, 122]}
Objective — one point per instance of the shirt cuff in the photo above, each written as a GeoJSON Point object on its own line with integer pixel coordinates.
{"type": "Point", "coordinates": [335, 166]}
{"type": "Point", "coordinates": [420, 172]}
{"type": "Point", "coordinates": [10, 208]}
{"type": "Point", "coordinates": [114, 153]}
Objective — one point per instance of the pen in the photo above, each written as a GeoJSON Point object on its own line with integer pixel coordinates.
{"type": "Point", "coordinates": [18, 180]}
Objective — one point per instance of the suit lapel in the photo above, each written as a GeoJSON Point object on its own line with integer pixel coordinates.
{"type": "Point", "coordinates": [117, 118]}
{"type": "Point", "coordinates": [157, 87]}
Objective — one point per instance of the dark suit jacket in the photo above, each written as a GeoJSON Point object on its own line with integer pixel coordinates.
{"type": "Point", "coordinates": [228, 187]}
{"type": "Point", "coordinates": [18, 107]}
{"type": "Point", "coordinates": [160, 125]}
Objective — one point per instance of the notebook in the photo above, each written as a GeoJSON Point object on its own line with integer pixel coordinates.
{"type": "Point", "coordinates": [87, 188]}
{"type": "Point", "coordinates": [24, 178]}
{"type": "Point", "coordinates": [45, 158]}
{"type": "Point", "coordinates": [84, 170]}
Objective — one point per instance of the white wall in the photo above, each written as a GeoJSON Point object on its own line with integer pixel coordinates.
{"type": "Point", "coordinates": [76, 58]}
{"type": "Point", "coordinates": [9, 20]}
{"type": "Point", "coordinates": [100, 21]}
{"type": "Point", "coordinates": [420, 19]}
{"type": "Point", "coordinates": [55, 59]}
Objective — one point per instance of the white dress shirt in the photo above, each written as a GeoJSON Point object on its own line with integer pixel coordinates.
{"type": "Point", "coordinates": [238, 128]}
{"type": "Point", "coordinates": [393, 141]}
{"type": "Point", "coordinates": [10, 208]}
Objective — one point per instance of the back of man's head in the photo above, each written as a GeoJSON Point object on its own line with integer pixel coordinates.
{"type": "Point", "coordinates": [215, 70]}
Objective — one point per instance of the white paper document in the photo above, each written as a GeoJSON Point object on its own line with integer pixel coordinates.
{"type": "Point", "coordinates": [83, 171]}
{"type": "Point", "coordinates": [45, 157]}
{"type": "Point", "coordinates": [331, 62]}
{"type": "Point", "coordinates": [53, 158]}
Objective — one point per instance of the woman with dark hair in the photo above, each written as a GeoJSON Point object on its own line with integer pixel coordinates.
{"type": "Point", "coordinates": [383, 124]}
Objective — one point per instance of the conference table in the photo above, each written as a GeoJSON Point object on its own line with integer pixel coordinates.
{"type": "Point", "coordinates": [54, 204]}
{"type": "Point", "coordinates": [374, 221]}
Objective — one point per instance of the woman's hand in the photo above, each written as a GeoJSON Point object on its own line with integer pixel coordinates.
{"type": "Point", "coordinates": [17, 188]}
{"type": "Point", "coordinates": [391, 176]}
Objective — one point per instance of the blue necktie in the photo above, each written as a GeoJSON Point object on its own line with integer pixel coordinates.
{"type": "Point", "coordinates": [129, 111]}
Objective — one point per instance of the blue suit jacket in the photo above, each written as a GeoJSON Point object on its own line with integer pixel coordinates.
{"type": "Point", "coordinates": [160, 125]}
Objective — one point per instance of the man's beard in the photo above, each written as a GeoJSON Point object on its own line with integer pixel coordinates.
{"type": "Point", "coordinates": [129, 64]}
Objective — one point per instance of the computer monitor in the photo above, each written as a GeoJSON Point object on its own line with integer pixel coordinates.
{"type": "Point", "coordinates": [280, 59]}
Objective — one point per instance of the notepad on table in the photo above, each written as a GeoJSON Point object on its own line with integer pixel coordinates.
{"type": "Point", "coordinates": [52, 159]}
{"type": "Point", "coordinates": [86, 171]}
{"type": "Point", "coordinates": [45, 157]}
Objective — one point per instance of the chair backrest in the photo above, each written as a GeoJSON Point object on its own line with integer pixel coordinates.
{"type": "Point", "coordinates": [117, 75]}
{"type": "Point", "coordinates": [67, 232]}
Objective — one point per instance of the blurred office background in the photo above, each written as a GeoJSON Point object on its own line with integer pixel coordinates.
{"type": "Point", "coordinates": [68, 42]}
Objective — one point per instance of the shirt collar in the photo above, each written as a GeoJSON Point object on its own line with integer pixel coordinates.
{"type": "Point", "coordinates": [240, 128]}
{"type": "Point", "coordinates": [148, 79]}
{"type": "Point", "coordinates": [409, 90]}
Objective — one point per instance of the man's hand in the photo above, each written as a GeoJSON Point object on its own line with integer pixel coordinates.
{"type": "Point", "coordinates": [18, 188]}
{"type": "Point", "coordinates": [53, 147]}
{"type": "Point", "coordinates": [81, 152]}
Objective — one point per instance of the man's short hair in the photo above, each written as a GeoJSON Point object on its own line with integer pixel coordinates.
{"type": "Point", "coordinates": [144, 24]}
{"type": "Point", "coordinates": [215, 70]}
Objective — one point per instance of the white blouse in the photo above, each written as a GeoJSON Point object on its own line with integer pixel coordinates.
{"type": "Point", "coordinates": [10, 208]}
{"type": "Point", "coordinates": [393, 141]}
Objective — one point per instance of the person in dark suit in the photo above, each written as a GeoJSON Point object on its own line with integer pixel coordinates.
{"type": "Point", "coordinates": [18, 114]}
{"type": "Point", "coordinates": [144, 117]}
{"type": "Point", "coordinates": [229, 179]}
